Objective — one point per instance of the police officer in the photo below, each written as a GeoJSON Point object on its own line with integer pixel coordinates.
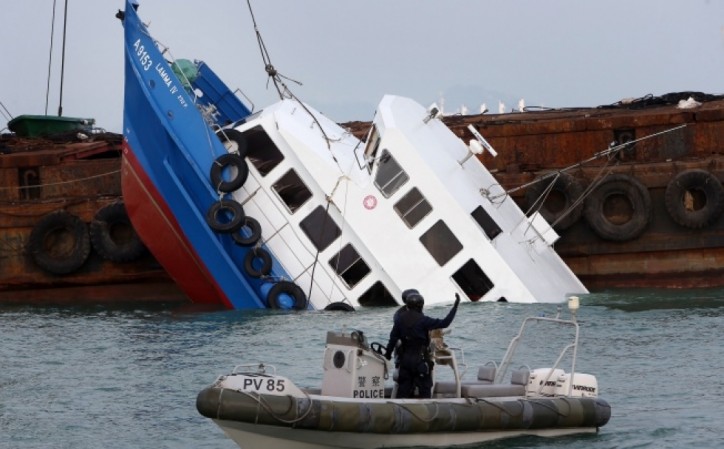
{"type": "Point", "coordinates": [405, 294]}
{"type": "Point", "coordinates": [412, 329]}
{"type": "Point", "coordinates": [395, 318]}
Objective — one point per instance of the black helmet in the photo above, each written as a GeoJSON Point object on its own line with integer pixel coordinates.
{"type": "Point", "coordinates": [406, 294]}
{"type": "Point", "coordinates": [415, 301]}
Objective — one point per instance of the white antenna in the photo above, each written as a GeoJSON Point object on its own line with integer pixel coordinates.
{"type": "Point", "coordinates": [477, 146]}
{"type": "Point", "coordinates": [482, 141]}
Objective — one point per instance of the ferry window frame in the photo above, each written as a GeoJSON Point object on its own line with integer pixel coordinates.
{"type": "Point", "coordinates": [412, 214]}
{"type": "Point", "coordinates": [473, 281]}
{"type": "Point", "coordinates": [320, 228]}
{"type": "Point", "coordinates": [291, 190]}
{"type": "Point", "coordinates": [262, 152]}
{"type": "Point", "coordinates": [349, 266]}
{"type": "Point", "coordinates": [441, 243]}
{"type": "Point", "coordinates": [390, 176]}
{"type": "Point", "coordinates": [486, 223]}
{"type": "Point", "coordinates": [373, 144]}
{"type": "Point", "coordinates": [377, 296]}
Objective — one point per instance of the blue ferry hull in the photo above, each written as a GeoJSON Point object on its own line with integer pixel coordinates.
{"type": "Point", "coordinates": [168, 152]}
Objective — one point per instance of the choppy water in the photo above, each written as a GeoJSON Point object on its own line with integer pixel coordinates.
{"type": "Point", "coordinates": [128, 377]}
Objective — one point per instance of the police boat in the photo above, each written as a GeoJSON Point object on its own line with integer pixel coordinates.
{"type": "Point", "coordinates": [356, 405]}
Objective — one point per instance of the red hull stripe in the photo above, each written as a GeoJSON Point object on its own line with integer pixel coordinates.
{"type": "Point", "coordinates": [155, 224]}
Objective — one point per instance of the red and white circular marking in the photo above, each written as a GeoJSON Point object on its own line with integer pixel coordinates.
{"type": "Point", "coordinates": [369, 202]}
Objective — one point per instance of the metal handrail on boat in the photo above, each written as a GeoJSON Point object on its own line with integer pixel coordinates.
{"type": "Point", "coordinates": [457, 365]}
{"type": "Point", "coordinates": [514, 343]}
{"type": "Point", "coordinates": [255, 368]}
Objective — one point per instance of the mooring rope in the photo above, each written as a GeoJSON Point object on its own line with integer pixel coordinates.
{"type": "Point", "coordinates": [60, 183]}
{"type": "Point", "coordinates": [266, 407]}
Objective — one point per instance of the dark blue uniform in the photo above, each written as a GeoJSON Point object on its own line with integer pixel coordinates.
{"type": "Point", "coordinates": [412, 328]}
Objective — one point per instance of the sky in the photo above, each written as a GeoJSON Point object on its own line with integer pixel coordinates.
{"type": "Point", "coordinates": [460, 54]}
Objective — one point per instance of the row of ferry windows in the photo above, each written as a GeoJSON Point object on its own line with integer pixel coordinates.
{"type": "Point", "coordinates": [321, 229]}
{"type": "Point", "coordinates": [318, 226]}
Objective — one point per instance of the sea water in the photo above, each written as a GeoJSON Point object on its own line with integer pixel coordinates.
{"type": "Point", "coordinates": [127, 377]}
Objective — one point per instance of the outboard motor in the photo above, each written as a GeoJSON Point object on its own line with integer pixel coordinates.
{"type": "Point", "coordinates": [542, 381]}
{"type": "Point", "coordinates": [556, 382]}
{"type": "Point", "coordinates": [351, 368]}
{"type": "Point", "coordinates": [580, 385]}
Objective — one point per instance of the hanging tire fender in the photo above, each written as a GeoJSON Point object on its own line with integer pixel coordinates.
{"type": "Point", "coordinates": [249, 233]}
{"type": "Point", "coordinates": [339, 307]}
{"type": "Point", "coordinates": [225, 216]}
{"type": "Point", "coordinates": [566, 187]}
{"type": "Point", "coordinates": [234, 141]}
{"type": "Point", "coordinates": [286, 288]}
{"type": "Point", "coordinates": [637, 195]}
{"type": "Point", "coordinates": [692, 188]}
{"type": "Point", "coordinates": [254, 269]}
{"type": "Point", "coordinates": [59, 243]}
{"type": "Point", "coordinates": [237, 168]}
{"type": "Point", "coordinates": [112, 234]}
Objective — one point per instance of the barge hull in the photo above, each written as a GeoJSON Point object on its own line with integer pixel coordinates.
{"type": "Point", "coordinates": [44, 181]}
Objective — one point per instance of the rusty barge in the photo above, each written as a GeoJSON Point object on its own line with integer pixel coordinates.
{"type": "Point", "coordinates": [634, 189]}
{"type": "Point", "coordinates": [64, 234]}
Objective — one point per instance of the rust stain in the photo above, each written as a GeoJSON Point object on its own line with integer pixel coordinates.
{"type": "Point", "coordinates": [40, 176]}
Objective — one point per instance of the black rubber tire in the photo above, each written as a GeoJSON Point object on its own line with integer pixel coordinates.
{"type": "Point", "coordinates": [218, 210]}
{"type": "Point", "coordinates": [254, 228]}
{"type": "Point", "coordinates": [59, 243]}
{"type": "Point", "coordinates": [637, 196]}
{"type": "Point", "coordinates": [250, 259]}
{"type": "Point", "coordinates": [113, 236]}
{"type": "Point", "coordinates": [291, 289]}
{"type": "Point", "coordinates": [697, 182]}
{"type": "Point", "coordinates": [339, 306]}
{"type": "Point", "coordinates": [566, 187]}
{"type": "Point", "coordinates": [234, 141]}
{"type": "Point", "coordinates": [229, 161]}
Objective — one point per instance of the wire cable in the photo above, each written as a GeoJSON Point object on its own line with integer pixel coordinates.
{"type": "Point", "coordinates": [50, 57]}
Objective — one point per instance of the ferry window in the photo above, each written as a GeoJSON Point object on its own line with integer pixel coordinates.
{"type": "Point", "coordinates": [373, 144]}
{"type": "Point", "coordinates": [292, 190]}
{"type": "Point", "coordinates": [377, 296]}
{"type": "Point", "coordinates": [490, 227]}
{"type": "Point", "coordinates": [349, 265]}
{"type": "Point", "coordinates": [320, 228]}
{"type": "Point", "coordinates": [441, 243]}
{"type": "Point", "coordinates": [262, 152]}
{"type": "Point", "coordinates": [390, 176]}
{"type": "Point", "coordinates": [412, 207]}
{"type": "Point", "coordinates": [472, 280]}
